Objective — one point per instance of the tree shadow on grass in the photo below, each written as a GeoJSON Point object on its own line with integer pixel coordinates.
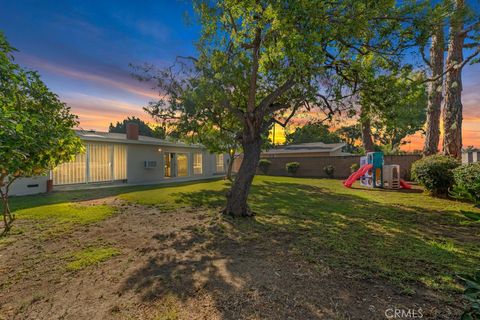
{"type": "Point", "coordinates": [250, 267]}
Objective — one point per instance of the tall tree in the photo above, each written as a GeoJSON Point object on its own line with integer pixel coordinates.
{"type": "Point", "coordinates": [435, 91]}
{"type": "Point", "coordinates": [312, 132]}
{"type": "Point", "coordinates": [264, 61]}
{"type": "Point", "coordinates": [35, 127]}
{"type": "Point", "coordinates": [464, 24]}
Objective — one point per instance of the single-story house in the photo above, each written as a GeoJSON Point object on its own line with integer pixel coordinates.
{"type": "Point", "coordinates": [119, 158]}
{"type": "Point", "coordinates": [470, 156]}
{"type": "Point", "coordinates": [313, 149]}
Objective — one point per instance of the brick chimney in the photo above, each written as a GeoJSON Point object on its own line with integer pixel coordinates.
{"type": "Point", "coordinates": [132, 131]}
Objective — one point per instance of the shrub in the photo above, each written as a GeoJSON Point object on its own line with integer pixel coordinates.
{"type": "Point", "coordinates": [472, 295]}
{"type": "Point", "coordinates": [292, 167]}
{"type": "Point", "coordinates": [329, 170]}
{"type": "Point", "coordinates": [435, 173]}
{"type": "Point", "coordinates": [467, 182]}
{"type": "Point", "coordinates": [263, 165]}
{"type": "Point", "coordinates": [354, 167]}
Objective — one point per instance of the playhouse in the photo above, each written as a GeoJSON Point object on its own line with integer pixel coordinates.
{"type": "Point", "coordinates": [373, 173]}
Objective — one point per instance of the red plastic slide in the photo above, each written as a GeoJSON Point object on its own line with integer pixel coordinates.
{"type": "Point", "coordinates": [404, 184]}
{"type": "Point", "coordinates": [357, 175]}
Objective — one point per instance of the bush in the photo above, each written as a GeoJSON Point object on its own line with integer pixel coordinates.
{"type": "Point", "coordinates": [329, 170]}
{"type": "Point", "coordinates": [292, 167]}
{"type": "Point", "coordinates": [263, 165]}
{"type": "Point", "coordinates": [472, 295]}
{"type": "Point", "coordinates": [354, 167]}
{"type": "Point", "coordinates": [467, 183]}
{"type": "Point", "coordinates": [435, 173]}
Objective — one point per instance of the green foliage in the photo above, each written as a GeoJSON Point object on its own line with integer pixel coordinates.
{"type": "Point", "coordinates": [351, 135]}
{"type": "Point", "coordinates": [143, 128]}
{"type": "Point", "coordinates": [35, 126]}
{"type": "Point", "coordinates": [435, 173]}
{"type": "Point", "coordinates": [395, 102]}
{"type": "Point", "coordinates": [292, 167]}
{"type": "Point", "coordinates": [90, 256]}
{"type": "Point", "coordinates": [467, 182]}
{"type": "Point", "coordinates": [472, 295]}
{"type": "Point", "coordinates": [312, 132]}
{"type": "Point", "coordinates": [329, 170]}
{"type": "Point", "coordinates": [263, 165]}
{"type": "Point", "coordinates": [354, 167]}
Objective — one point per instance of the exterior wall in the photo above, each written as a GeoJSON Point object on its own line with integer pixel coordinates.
{"type": "Point", "coordinates": [138, 154]}
{"type": "Point", "coordinates": [33, 185]}
{"type": "Point", "coordinates": [313, 166]}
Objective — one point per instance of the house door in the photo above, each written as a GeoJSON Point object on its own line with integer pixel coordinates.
{"type": "Point", "coordinates": [169, 165]}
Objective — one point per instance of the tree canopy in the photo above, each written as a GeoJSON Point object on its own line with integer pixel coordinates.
{"type": "Point", "coordinates": [312, 132]}
{"type": "Point", "coordinates": [35, 126]}
{"type": "Point", "coordinates": [143, 128]}
{"type": "Point", "coordinates": [261, 62]}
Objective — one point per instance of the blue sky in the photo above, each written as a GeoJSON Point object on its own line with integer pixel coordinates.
{"type": "Point", "coordinates": [83, 49]}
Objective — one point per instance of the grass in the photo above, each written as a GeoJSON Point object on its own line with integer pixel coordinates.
{"type": "Point", "coordinates": [59, 218]}
{"type": "Point", "coordinates": [406, 237]}
{"type": "Point", "coordinates": [90, 256]}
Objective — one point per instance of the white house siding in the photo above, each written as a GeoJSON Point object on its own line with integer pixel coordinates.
{"type": "Point", "coordinates": [25, 186]}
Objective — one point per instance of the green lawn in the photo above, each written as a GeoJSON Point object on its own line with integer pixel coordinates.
{"type": "Point", "coordinates": [406, 237]}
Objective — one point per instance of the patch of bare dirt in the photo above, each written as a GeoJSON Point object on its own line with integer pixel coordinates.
{"type": "Point", "coordinates": [187, 264]}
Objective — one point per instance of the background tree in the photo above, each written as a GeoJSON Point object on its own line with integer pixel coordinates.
{"type": "Point", "coordinates": [400, 111]}
{"type": "Point", "coordinates": [464, 24]}
{"type": "Point", "coordinates": [350, 135]}
{"type": "Point", "coordinates": [312, 132]}
{"type": "Point", "coordinates": [435, 63]}
{"type": "Point", "coordinates": [144, 128]}
{"type": "Point", "coordinates": [392, 102]}
{"type": "Point", "coordinates": [261, 62]}
{"type": "Point", "coordinates": [35, 127]}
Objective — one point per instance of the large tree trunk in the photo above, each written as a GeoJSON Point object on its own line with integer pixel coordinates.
{"type": "Point", "coordinates": [435, 93]}
{"type": "Point", "coordinates": [452, 117]}
{"type": "Point", "coordinates": [237, 197]}
{"type": "Point", "coordinates": [367, 140]}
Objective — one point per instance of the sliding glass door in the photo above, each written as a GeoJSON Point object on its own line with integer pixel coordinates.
{"type": "Point", "coordinates": [101, 162]}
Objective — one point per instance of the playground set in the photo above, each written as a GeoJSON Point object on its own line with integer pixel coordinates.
{"type": "Point", "coordinates": [373, 173]}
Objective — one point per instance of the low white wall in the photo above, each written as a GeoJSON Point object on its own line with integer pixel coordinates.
{"type": "Point", "coordinates": [33, 185]}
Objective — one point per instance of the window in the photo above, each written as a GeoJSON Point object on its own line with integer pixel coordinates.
{"type": "Point", "coordinates": [71, 172]}
{"type": "Point", "coordinates": [182, 165]}
{"type": "Point", "coordinates": [197, 163]}
{"type": "Point", "coordinates": [119, 162]}
{"type": "Point", "coordinates": [101, 162]}
{"type": "Point", "coordinates": [219, 163]}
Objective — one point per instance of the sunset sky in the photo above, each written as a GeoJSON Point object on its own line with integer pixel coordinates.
{"type": "Point", "coordinates": [83, 49]}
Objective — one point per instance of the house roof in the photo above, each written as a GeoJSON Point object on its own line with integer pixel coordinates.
{"type": "Point", "coordinates": [313, 147]}
{"type": "Point", "coordinates": [98, 136]}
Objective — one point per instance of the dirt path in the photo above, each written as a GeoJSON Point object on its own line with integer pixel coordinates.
{"type": "Point", "coordinates": [188, 264]}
